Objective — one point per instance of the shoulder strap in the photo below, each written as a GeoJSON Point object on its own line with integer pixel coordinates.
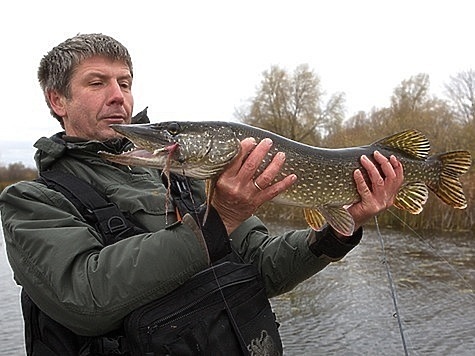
{"type": "Point", "coordinates": [99, 212]}
{"type": "Point", "coordinates": [181, 192]}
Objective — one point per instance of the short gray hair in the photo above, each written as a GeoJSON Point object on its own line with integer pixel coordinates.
{"type": "Point", "coordinates": [58, 65]}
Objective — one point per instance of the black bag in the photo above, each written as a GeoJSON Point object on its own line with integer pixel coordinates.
{"type": "Point", "coordinates": [222, 310]}
{"type": "Point", "coordinates": [44, 336]}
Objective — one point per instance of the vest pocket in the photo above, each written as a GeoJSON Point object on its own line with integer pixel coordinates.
{"type": "Point", "coordinates": [221, 310]}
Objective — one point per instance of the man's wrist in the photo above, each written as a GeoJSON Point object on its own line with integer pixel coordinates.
{"type": "Point", "coordinates": [214, 232]}
{"type": "Point", "coordinates": [327, 242]}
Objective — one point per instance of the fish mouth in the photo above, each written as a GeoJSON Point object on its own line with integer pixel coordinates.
{"type": "Point", "coordinates": [146, 140]}
{"type": "Point", "coordinates": [138, 152]}
{"type": "Point", "coordinates": [150, 148]}
{"type": "Point", "coordinates": [141, 135]}
{"type": "Point", "coordinates": [141, 157]}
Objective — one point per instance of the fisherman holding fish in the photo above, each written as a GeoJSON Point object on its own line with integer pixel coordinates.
{"type": "Point", "coordinates": [179, 275]}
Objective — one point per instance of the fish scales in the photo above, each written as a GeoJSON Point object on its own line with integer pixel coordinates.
{"type": "Point", "coordinates": [325, 184]}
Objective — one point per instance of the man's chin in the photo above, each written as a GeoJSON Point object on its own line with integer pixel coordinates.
{"type": "Point", "coordinates": [112, 136]}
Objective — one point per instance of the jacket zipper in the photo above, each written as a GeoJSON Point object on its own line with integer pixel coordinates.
{"type": "Point", "coordinates": [169, 318]}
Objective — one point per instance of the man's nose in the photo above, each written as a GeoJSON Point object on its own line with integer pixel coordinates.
{"type": "Point", "coordinates": [116, 95]}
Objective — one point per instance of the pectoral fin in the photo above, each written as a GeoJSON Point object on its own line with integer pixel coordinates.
{"type": "Point", "coordinates": [411, 197]}
{"type": "Point", "coordinates": [210, 185]}
{"type": "Point", "coordinates": [337, 217]}
{"type": "Point", "coordinates": [340, 219]}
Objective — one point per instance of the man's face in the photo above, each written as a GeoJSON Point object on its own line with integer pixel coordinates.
{"type": "Point", "coordinates": [101, 94]}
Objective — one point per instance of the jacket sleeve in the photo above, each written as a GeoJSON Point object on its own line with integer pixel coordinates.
{"type": "Point", "coordinates": [58, 259]}
{"type": "Point", "coordinates": [288, 259]}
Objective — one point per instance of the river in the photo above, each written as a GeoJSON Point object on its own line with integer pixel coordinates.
{"type": "Point", "coordinates": [348, 308]}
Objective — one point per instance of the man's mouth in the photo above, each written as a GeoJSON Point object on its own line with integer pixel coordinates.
{"type": "Point", "coordinates": [114, 119]}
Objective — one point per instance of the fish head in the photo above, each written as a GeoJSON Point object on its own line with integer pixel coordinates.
{"type": "Point", "coordinates": [196, 149]}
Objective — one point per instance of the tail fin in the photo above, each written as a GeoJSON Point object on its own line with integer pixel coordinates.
{"type": "Point", "coordinates": [449, 188]}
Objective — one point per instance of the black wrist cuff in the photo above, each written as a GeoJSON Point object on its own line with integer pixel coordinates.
{"type": "Point", "coordinates": [329, 244]}
{"type": "Point", "coordinates": [214, 232]}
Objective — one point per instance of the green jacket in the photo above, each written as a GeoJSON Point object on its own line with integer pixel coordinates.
{"type": "Point", "coordinates": [61, 263]}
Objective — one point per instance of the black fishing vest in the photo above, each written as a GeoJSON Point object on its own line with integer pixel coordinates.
{"type": "Point", "coordinates": [221, 310]}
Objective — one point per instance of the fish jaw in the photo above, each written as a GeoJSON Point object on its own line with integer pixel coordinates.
{"type": "Point", "coordinates": [141, 157]}
{"type": "Point", "coordinates": [180, 147]}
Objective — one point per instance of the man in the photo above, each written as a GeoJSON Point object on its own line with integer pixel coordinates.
{"type": "Point", "coordinates": [88, 287]}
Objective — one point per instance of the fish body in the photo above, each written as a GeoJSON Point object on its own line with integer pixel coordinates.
{"type": "Point", "coordinates": [325, 184]}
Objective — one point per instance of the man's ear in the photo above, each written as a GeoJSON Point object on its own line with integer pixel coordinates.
{"type": "Point", "coordinates": [57, 102]}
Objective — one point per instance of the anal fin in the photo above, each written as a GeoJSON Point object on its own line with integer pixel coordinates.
{"type": "Point", "coordinates": [411, 197]}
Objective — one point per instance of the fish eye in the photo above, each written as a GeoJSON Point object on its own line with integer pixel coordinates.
{"type": "Point", "coordinates": [173, 128]}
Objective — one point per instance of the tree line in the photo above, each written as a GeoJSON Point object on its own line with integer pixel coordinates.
{"type": "Point", "coordinates": [15, 172]}
{"type": "Point", "coordinates": [294, 105]}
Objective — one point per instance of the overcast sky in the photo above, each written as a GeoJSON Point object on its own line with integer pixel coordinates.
{"type": "Point", "coordinates": [200, 60]}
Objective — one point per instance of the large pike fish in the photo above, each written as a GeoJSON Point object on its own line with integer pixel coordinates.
{"type": "Point", "coordinates": [325, 185]}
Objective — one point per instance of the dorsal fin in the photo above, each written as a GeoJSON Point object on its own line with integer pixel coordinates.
{"type": "Point", "coordinates": [412, 142]}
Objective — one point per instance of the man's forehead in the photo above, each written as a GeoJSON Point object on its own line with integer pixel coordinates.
{"type": "Point", "coordinates": [101, 65]}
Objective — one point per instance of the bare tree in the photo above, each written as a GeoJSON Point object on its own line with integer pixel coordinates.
{"type": "Point", "coordinates": [292, 105]}
{"type": "Point", "coordinates": [461, 92]}
{"type": "Point", "coordinates": [411, 95]}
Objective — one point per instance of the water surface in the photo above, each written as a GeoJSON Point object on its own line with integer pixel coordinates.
{"type": "Point", "coordinates": [348, 309]}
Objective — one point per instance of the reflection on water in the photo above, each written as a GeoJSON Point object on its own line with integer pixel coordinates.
{"type": "Point", "coordinates": [347, 309]}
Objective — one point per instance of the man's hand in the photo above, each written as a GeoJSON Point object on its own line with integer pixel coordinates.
{"type": "Point", "coordinates": [381, 193]}
{"type": "Point", "coordinates": [237, 195]}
